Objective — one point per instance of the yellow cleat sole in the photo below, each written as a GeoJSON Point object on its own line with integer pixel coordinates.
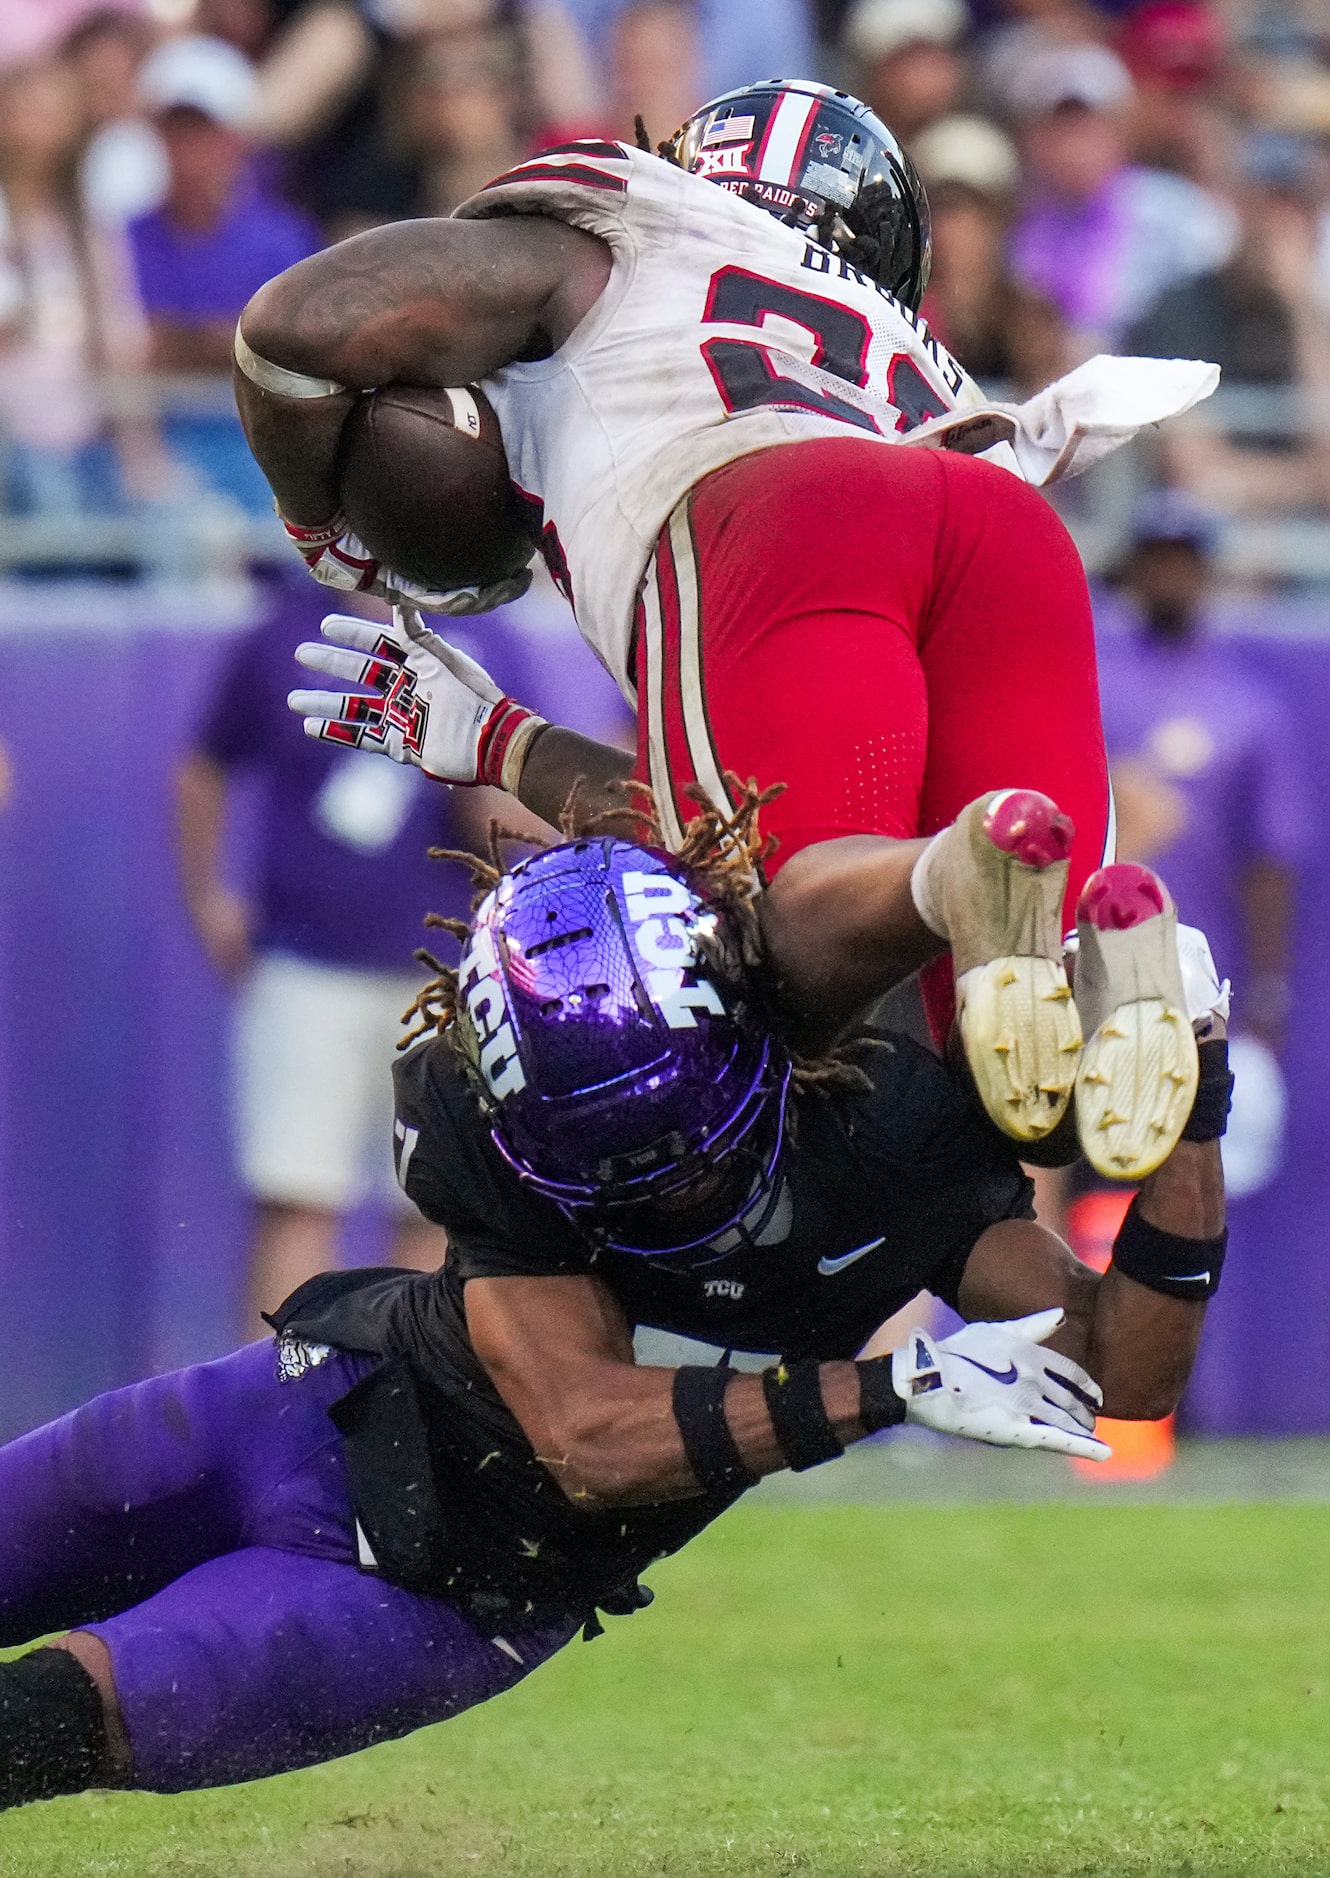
{"type": "Point", "coordinates": [1135, 1088]}
{"type": "Point", "coordinates": [1022, 1038]}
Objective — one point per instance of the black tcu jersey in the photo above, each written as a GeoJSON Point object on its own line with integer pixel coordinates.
{"type": "Point", "coordinates": [883, 1192]}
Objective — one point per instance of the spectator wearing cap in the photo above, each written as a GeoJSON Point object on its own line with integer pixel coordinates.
{"type": "Point", "coordinates": [910, 66]}
{"type": "Point", "coordinates": [1101, 237]}
{"type": "Point", "coordinates": [1259, 318]}
{"type": "Point", "coordinates": [1000, 329]}
{"type": "Point", "coordinates": [216, 238]}
{"type": "Point", "coordinates": [218, 234]}
{"type": "Point", "coordinates": [1207, 773]}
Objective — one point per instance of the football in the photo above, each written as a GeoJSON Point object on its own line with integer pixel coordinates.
{"type": "Point", "coordinates": [424, 483]}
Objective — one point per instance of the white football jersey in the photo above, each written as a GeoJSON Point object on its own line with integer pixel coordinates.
{"type": "Point", "coordinates": [720, 331]}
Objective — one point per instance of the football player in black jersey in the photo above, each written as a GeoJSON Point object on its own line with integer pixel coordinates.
{"type": "Point", "coordinates": [430, 1483]}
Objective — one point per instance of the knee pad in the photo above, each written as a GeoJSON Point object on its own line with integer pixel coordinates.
{"type": "Point", "coordinates": [52, 1728]}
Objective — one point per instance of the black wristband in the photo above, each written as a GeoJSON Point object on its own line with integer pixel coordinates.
{"type": "Point", "coordinates": [1214, 1093]}
{"type": "Point", "coordinates": [699, 1409]}
{"type": "Point", "coordinates": [1167, 1262]}
{"type": "Point", "coordinates": [879, 1404]}
{"type": "Point", "coordinates": [803, 1429]}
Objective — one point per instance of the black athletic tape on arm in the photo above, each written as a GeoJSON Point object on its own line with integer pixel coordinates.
{"type": "Point", "coordinates": [803, 1429]}
{"type": "Point", "coordinates": [1214, 1093]}
{"type": "Point", "coordinates": [879, 1404]}
{"type": "Point", "coordinates": [1165, 1261]}
{"type": "Point", "coordinates": [699, 1409]}
{"type": "Point", "coordinates": [52, 1728]}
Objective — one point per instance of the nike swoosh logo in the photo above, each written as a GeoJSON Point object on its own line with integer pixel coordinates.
{"type": "Point", "coordinates": [999, 1375]}
{"type": "Point", "coordinates": [1187, 1278]}
{"type": "Point", "coordinates": [829, 1267]}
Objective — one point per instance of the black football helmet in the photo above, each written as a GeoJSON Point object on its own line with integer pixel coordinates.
{"type": "Point", "coordinates": [823, 162]}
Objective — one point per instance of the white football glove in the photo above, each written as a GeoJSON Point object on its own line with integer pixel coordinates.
{"type": "Point", "coordinates": [994, 1383]}
{"type": "Point", "coordinates": [430, 704]}
{"type": "Point", "coordinates": [337, 558]}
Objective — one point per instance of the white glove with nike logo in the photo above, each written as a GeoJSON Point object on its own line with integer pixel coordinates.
{"type": "Point", "coordinates": [994, 1383]}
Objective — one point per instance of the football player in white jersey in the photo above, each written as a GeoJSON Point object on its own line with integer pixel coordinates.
{"type": "Point", "coordinates": [697, 357]}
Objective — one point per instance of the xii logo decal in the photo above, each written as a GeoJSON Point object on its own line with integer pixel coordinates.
{"type": "Point", "coordinates": [732, 160]}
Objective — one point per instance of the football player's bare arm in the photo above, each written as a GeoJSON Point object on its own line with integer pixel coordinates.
{"type": "Point", "coordinates": [417, 303]}
{"type": "Point", "coordinates": [1137, 1343]}
{"type": "Point", "coordinates": [840, 929]}
{"type": "Point", "coordinates": [560, 1353]}
{"type": "Point", "coordinates": [562, 763]}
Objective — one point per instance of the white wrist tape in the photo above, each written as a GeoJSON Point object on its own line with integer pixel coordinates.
{"type": "Point", "coordinates": [270, 377]}
{"type": "Point", "coordinates": [514, 757]}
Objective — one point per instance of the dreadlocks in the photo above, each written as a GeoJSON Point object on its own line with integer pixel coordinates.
{"type": "Point", "coordinates": [643, 141]}
{"type": "Point", "coordinates": [723, 854]}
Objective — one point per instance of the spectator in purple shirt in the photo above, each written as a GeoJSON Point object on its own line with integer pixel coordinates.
{"type": "Point", "coordinates": [218, 236]}
{"type": "Point", "coordinates": [1206, 770]}
{"type": "Point", "coordinates": [1099, 236]}
{"type": "Point", "coordinates": [321, 950]}
{"type": "Point", "coordinates": [213, 242]}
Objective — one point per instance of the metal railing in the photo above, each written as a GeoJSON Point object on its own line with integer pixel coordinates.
{"type": "Point", "coordinates": [210, 538]}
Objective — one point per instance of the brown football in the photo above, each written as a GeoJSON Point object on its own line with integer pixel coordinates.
{"type": "Point", "coordinates": [424, 483]}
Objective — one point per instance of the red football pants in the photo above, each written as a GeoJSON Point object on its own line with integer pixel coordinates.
{"type": "Point", "coordinates": [888, 632]}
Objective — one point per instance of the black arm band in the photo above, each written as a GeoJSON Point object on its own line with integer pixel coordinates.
{"type": "Point", "coordinates": [699, 1409]}
{"type": "Point", "coordinates": [803, 1429]}
{"type": "Point", "coordinates": [1214, 1093]}
{"type": "Point", "coordinates": [879, 1404]}
{"type": "Point", "coordinates": [1165, 1261]}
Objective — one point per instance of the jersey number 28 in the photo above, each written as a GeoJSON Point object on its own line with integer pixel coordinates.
{"type": "Point", "coordinates": [747, 377]}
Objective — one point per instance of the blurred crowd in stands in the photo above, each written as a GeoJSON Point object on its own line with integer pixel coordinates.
{"type": "Point", "coordinates": [1153, 178]}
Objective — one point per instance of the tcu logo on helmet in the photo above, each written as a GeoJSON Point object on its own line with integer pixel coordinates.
{"type": "Point", "coordinates": [500, 1064]}
{"type": "Point", "coordinates": [666, 948]}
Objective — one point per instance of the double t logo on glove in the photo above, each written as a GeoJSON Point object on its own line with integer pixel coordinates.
{"type": "Point", "coordinates": [429, 704]}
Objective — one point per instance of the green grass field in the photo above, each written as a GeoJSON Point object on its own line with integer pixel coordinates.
{"type": "Point", "coordinates": [962, 1692]}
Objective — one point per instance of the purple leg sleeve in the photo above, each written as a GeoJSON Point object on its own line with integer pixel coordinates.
{"type": "Point", "coordinates": [205, 1517]}
{"type": "Point", "coordinates": [109, 1504]}
{"type": "Point", "coordinates": [263, 1660]}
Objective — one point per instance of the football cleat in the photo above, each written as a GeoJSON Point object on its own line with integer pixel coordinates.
{"type": "Point", "coordinates": [999, 882]}
{"type": "Point", "coordinates": [1138, 1075]}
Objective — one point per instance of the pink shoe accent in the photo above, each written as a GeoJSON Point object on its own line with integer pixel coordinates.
{"type": "Point", "coordinates": [1120, 896]}
{"type": "Point", "coordinates": [1030, 826]}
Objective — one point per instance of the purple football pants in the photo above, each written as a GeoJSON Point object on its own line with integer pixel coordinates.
{"type": "Point", "coordinates": [200, 1525]}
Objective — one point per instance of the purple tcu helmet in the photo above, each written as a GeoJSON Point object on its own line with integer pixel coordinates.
{"type": "Point", "coordinates": [613, 1066]}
